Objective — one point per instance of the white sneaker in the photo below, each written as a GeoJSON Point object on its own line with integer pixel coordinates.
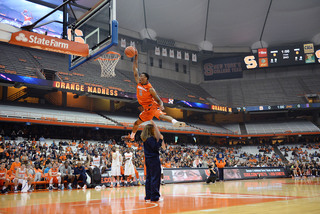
{"type": "Point", "coordinates": [179, 124]}
{"type": "Point", "coordinates": [84, 186]}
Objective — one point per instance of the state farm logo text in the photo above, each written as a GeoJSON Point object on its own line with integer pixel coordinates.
{"type": "Point", "coordinates": [41, 41]}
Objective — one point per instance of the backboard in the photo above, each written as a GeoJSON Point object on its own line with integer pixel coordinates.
{"type": "Point", "coordinates": [98, 28]}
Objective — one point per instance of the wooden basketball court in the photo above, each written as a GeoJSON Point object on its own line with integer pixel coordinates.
{"type": "Point", "coordinates": [250, 196]}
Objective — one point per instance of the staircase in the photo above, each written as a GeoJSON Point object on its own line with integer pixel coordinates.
{"type": "Point", "coordinates": [18, 95]}
{"type": "Point", "coordinates": [278, 152]}
{"type": "Point", "coordinates": [108, 118]}
{"type": "Point", "coordinates": [243, 129]}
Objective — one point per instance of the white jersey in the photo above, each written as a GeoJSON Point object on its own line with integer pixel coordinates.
{"type": "Point", "coordinates": [128, 157]}
{"type": "Point", "coordinates": [116, 163]}
{"type": "Point", "coordinates": [22, 173]}
{"type": "Point", "coordinates": [96, 161]}
{"type": "Point", "coordinates": [128, 167]}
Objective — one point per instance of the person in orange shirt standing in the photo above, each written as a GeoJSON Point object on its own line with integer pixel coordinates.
{"type": "Point", "coordinates": [150, 101]}
{"type": "Point", "coordinates": [220, 163]}
{"type": "Point", "coordinates": [4, 181]}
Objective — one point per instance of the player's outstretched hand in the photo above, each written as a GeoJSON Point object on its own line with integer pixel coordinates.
{"type": "Point", "coordinates": [161, 107]}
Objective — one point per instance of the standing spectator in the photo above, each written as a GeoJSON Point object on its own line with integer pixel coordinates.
{"type": "Point", "coordinates": [152, 141]}
{"type": "Point", "coordinates": [220, 162]}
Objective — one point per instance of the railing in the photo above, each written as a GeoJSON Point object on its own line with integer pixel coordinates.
{"type": "Point", "coordinates": [17, 95]}
{"type": "Point", "coordinates": [53, 117]}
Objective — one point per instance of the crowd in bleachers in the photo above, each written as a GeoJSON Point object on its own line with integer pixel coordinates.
{"type": "Point", "coordinates": [39, 155]}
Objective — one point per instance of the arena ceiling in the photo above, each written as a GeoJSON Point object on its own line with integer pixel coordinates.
{"type": "Point", "coordinates": [220, 25]}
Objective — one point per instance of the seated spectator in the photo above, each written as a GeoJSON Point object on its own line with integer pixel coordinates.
{"type": "Point", "coordinates": [46, 170]}
{"type": "Point", "coordinates": [4, 180]}
{"type": "Point", "coordinates": [80, 175]}
{"type": "Point", "coordinates": [54, 177]}
{"type": "Point", "coordinates": [66, 175]}
{"type": "Point", "coordinates": [38, 173]}
{"type": "Point", "coordinates": [22, 177]}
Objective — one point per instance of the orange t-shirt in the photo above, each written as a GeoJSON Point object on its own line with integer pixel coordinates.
{"type": "Point", "coordinates": [13, 167]}
{"type": "Point", "coordinates": [54, 173]}
{"type": "Point", "coordinates": [220, 163]}
{"type": "Point", "coordinates": [3, 173]}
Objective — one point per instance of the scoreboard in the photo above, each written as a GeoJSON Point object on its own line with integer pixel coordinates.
{"type": "Point", "coordinates": [283, 56]}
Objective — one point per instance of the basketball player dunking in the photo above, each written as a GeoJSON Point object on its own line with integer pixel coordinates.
{"type": "Point", "coordinates": [150, 101]}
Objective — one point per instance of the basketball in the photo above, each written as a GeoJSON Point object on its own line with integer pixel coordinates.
{"type": "Point", "coordinates": [130, 51]}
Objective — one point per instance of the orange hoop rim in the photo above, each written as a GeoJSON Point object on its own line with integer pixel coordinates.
{"type": "Point", "coordinates": [110, 52]}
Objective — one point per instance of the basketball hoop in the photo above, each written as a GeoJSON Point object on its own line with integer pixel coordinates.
{"type": "Point", "coordinates": [108, 62]}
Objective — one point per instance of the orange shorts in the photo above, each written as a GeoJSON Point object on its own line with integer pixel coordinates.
{"type": "Point", "coordinates": [148, 114]}
{"type": "Point", "coordinates": [2, 181]}
{"type": "Point", "coordinates": [54, 180]}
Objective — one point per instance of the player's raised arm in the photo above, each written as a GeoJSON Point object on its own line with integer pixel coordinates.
{"type": "Point", "coordinates": [156, 98]}
{"type": "Point", "coordinates": [135, 68]}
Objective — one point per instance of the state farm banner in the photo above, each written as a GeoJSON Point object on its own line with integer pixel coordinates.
{"type": "Point", "coordinates": [48, 43]}
{"type": "Point", "coordinates": [223, 68]}
{"type": "Point", "coordinates": [253, 173]}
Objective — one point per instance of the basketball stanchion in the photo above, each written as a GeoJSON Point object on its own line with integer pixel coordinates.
{"type": "Point", "coordinates": [108, 62]}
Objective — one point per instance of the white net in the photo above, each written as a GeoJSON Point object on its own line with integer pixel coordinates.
{"type": "Point", "coordinates": [108, 62]}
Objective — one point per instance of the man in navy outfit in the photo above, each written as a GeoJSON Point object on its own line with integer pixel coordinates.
{"type": "Point", "coordinates": [80, 175]}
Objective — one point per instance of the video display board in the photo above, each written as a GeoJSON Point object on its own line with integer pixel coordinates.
{"type": "Point", "coordinates": [19, 13]}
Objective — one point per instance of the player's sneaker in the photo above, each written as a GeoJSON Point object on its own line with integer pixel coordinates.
{"type": "Point", "coordinates": [30, 189]}
{"type": "Point", "coordinates": [159, 200]}
{"type": "Point", "coordinates": [179, 124]}
{"type": "Point", "coordinates": [127, 137]}
{"type": "Point", "coordinates": [50, 188]}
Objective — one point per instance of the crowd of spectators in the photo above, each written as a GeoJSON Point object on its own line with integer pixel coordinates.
{"type": "Point", "coordinates": [39, 155]}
